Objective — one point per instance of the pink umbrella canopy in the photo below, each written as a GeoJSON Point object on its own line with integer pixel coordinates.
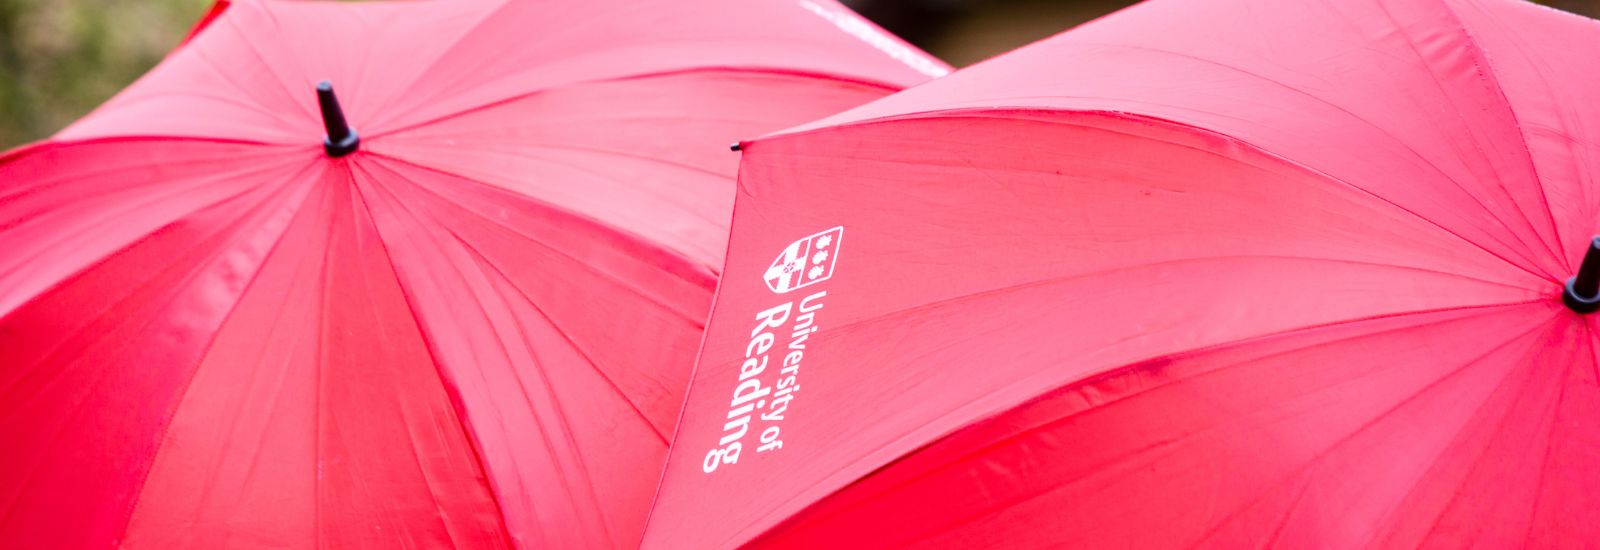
{"type": "Point", "coordinates": [1204, 273]}
{"type": "Point", "coordinates": [451, 300]}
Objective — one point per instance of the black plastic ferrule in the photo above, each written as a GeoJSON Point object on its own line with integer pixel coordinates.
{"type": "Point", "coordinates": [1582, 291]}
{"type": "Point", "coordinates": [341, 139]}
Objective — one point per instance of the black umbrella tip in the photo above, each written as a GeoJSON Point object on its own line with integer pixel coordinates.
{"type": "Point", "coordinates": [736, 147]}
{"type": "Point", "coordinates": [341, 139]}
{"type": "Point", "coordinates": [1582, 291]}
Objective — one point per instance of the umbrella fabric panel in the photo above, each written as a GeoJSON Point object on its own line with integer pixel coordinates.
{"type": "Point", "coordinates": [143, 187]}
{"type": "Point", "coordinates": [1436, 105]}
{"type": "Point", "coordinates": [1441, 436]}
{"type": "Point", "coordinates": [987, 257]}
{"type": "Point", "coordinates": [1532, 70]}
{"type": "Point", "coordinates": [96, 359]}
{"type": "Point", "coordinates": [390, 458]}
{"type": "Point", "coordinates": [1178, 176]}
{"type": "Point", "coordinates": [556, 417]}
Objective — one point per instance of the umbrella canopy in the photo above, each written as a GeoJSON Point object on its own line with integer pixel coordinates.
{"type": "Point", "coordinates": [452, 302]}
{"type": "Point", "coordinates": [1222, 273]}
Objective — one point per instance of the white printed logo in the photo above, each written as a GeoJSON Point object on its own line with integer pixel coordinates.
{"type": "Point", "coordinates": [805, 262]}
{"type": "Point", "coordinates": [770, 374]}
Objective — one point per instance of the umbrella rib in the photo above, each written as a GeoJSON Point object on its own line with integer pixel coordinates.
{"type": "Point", "coordinates": [20, 189]}
{"type": "Point", "coordinates": [222, 98]}
{"type": "Point", "coordinates": [55, 143]}
{"type": "Point", "coordinates": [629, 236]}
{"type": "Point", "coordinates": [1068, 278]}
{"type": "Point", "coordinates": [619, 153]}
{"type": "Point", "coordinates": [1283, 523]}
{"type": "Point", "coordinates": [251, 46]}
{"type": "Point", "coordinates": [321, 347]}
{"type": "Point", "coordinates": [640, 76]}
{"type": "Point", "coordinates": [574, 167]}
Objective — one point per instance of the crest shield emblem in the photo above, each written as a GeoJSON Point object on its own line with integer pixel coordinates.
{"type": "Point", "coordinates": [805, 262]}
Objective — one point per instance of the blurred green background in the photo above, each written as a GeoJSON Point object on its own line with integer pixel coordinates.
{"type": "Point", "coordinates": [60, 58]}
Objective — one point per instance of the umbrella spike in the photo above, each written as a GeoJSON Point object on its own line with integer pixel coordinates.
{"type": "Point", "coordinates": [341, 139]}
{"type": "Point", "coordinates": [1582, 292]}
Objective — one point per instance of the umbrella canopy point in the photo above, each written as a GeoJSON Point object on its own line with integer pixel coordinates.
{"type": "Point", "coordinates": [1582, 292]}
{"type": "Point", "coordinates": [341, 139]}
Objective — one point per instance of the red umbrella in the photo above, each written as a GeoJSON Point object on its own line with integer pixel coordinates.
{"type": "Point", "coordinates": [465, 320]}
{"type": "Point", "coordinates": [1218, 273]}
